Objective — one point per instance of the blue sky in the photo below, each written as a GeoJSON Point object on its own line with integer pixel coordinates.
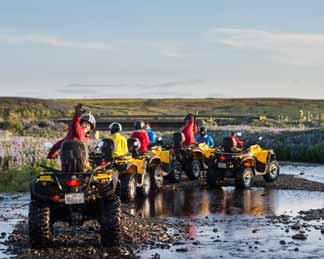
{"type": "Point", "coordinates": [150, 49]}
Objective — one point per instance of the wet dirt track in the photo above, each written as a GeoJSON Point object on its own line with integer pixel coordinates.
{"type": "Point", "coordinates": [190, 221]}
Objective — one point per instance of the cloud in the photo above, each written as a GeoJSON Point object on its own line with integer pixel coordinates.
{"type": "Point", "coordinates": [287, 47]}
{"type": "Point", "coordinates": [53, 41]}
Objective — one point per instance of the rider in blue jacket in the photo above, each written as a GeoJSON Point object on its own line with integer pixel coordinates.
{"type": "Point", "coordinates": [150, 133]}
{"type": "Point", "coordinates": [203, 137]}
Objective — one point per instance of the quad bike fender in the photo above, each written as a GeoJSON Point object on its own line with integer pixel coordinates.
{"type": "Point", "coordinates": [197, 154]}
{"type": "Point", "coordinates": [206, 150]}
{"type": "Point", "coordinates": [164, 156]}
{"type": "Point", "coordinates": [131, 168]}
{"type": "Point", "coordinates": [154, 161]}
{"type": "Point", "coordinates": [248, 162]}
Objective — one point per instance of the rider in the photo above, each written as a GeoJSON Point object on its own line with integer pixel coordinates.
{"type": "Point", "coordinates": [150, 133]}
{"type": "Point", "coordinates": [237, 140]}
{"type": "Point", "coordinates": [203, 137]}
{"type": "Point", "coordinates": [141, 134]}
{"type": "Point", "coordinates": [120, 142]}
{"type": "Point", "coordinates": [80, 129]}
{"type": "Point", "coordinates": [190, 129]}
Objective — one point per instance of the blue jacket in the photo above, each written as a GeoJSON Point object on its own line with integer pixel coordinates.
{"type": "Point", "coordinates": [205, 139]}
{"type": "Point", "coordinates": [151, 135]}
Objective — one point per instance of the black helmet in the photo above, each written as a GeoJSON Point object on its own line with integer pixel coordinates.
{"type": "Point", "coordinates": [107, 147]}
{"type": "Point", "coordinates": [115, 127]}
{"type": "Point", "coordinates": [203, 129]}
{"type": "Point", "coordinates": [88, 117]}
{"type": "Point", "coordinates": [133, 145]}
{"type": "Point", "coordinates": [189, 116]}
{"type": "Point", "coordinates": [139, 125]}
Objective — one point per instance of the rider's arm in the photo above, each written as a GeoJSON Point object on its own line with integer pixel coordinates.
{"type": "Point", "coordinates": [211, 141]}
{"type": "Point", "coordinates": [124, 146]}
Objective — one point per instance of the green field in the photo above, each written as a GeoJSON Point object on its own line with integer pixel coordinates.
{"type": "Point", "coordinates": [49, 109]}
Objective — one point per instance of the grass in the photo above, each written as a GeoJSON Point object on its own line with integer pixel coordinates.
{"type": "Point", "coordinates": [17, 180]}
{"type": "Point", "coordinates": [37, 108]}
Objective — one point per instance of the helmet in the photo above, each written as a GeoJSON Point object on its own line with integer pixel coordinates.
{"type": "Point", "coordinates": [139, 125]}
{"type": "Point", "coordinates": [88, 117]}
{"type": "Point", "coordinates": [115, 127]}
{"type": "Point", "coordinates": [133, 145]}
{"type": "Point", "coordinates": [189, 116]}
{"type": "Point", "coordinates": [203, 129]}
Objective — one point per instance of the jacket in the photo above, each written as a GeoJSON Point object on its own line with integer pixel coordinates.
{"type": "Point", "coordinates": [151, 135]}
{"type": "Point", "coordinates": [206, 139]}
{"type": "Point", "coordinates": [75, 132]}
{"type": "Point", "coordinates": [189, 132]}
{"type": "Point", "coordinates": [143, 138]}
{"type": "Point", "coordinates": [120, 143]}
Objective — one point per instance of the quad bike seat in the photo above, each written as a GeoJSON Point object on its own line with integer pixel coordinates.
{"type": "Point", "coordinates": [229, 147]}
{"type": "Point", "coordinates": [74, 156]}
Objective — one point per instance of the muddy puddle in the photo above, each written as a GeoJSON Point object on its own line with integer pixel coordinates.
{"type": "Point", "coordinates": [223, 223]}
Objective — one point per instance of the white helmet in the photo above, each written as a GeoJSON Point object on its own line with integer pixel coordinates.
{"type": "Point", "coordinates": [88, 117]}
{"type": "Point", "coordinates": [115, 127]}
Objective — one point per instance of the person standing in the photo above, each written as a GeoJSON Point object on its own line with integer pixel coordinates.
{"type": "Point", "coordinates": [189, 130]}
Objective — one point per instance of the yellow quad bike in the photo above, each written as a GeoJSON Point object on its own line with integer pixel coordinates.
{"type": "Point", "coordinates": [242, 165]}
{"type": "Point", "coordinates": [138, 173]}
{"type": "Point", "coordinates": [177, 159]}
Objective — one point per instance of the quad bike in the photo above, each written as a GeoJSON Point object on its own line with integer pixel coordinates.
{"type": "Point", "coordinates": [171, 169]}
{"type": "Point", "coordinates": [178, 158]}
{"type": "Point", "coordinates": [138, 173]}
{"type": "Point", "coordinates": [242, 165]}
{"type": "Point", "coordinates": [74, 195]}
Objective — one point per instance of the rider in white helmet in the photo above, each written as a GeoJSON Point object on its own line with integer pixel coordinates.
{"type": "Point", "coordinates": [80, 129]}
{"type": "Point", "coordinates": [120, 142]}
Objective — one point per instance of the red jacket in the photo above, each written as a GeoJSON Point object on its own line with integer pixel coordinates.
{"type": "Point", "coordinates": [143, 139]}
{"type": "Point", "coordinates": [189, 132]}
{"type": "Point", "coordinates": [237, 141]}
{"type": "Point", "coordinates": [75, 132]}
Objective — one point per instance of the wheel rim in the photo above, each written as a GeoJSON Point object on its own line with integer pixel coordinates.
{"type": "Point", "coordinates": [158, 177]}
{"type": "Point", "coordinates": [196, 169]}
{"type": "Point", "coordinates": [146, 183]}
{"type": "Point", "coordinates": [132, 188]}
{"type": "Point", "coordinates": [247, 177]}
{"type": "Point", "coordinates": [175, 171]}
{"type": "Point", "coordinates": [273, 172]}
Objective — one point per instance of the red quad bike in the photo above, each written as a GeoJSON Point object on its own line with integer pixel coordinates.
{"type": "Point", "coordinates": [242, 165]}
{"type": "Point", "coordinates": [74, 195]}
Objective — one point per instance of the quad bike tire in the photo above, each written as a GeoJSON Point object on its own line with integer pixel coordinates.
{"type": "Point", "coordinates": [145, 189]}
{"type": "Point", "coordinates": [40, 225]}
{"type": "Point", "coordinates": [175, 172]}
{"type": "Point", "coordinates": [157, 178]}
{"type": "Point", "coordinates": [194, 171]}
{"type": "Point", "coordinates": [212, 177]}
{"type": "Point", "coordinates": [273, 173]}
{"type": "Point", "coordinates": [244, 178]}
{"type": "Point", "coordinates": [127, 187]}
{"type": "Point", "coordinates": [110, 221]}
{"type": "Point", "coordinates": [73, 156]}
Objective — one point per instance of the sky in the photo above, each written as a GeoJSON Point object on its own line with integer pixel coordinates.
{"type": "Point", "coordinates": [162, 49]}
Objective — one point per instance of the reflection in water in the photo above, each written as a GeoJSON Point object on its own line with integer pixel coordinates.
{"type": "Point", "coordinates": [202, 202]}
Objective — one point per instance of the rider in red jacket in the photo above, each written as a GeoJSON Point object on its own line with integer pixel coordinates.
{"type": "Point", "coordinates": [189, 130]}
{"type": "Point", "coordinates": [80, 129]}
{"type": "Point", "coordinates": [237, 140]}
{"type": "Point", "coordinates": [141, 134]}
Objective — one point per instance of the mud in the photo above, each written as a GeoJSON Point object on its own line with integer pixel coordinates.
{"type": "Point", "coordinates": [84, 242]}
{"type": "Point", "coordinates": [188, 220]}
